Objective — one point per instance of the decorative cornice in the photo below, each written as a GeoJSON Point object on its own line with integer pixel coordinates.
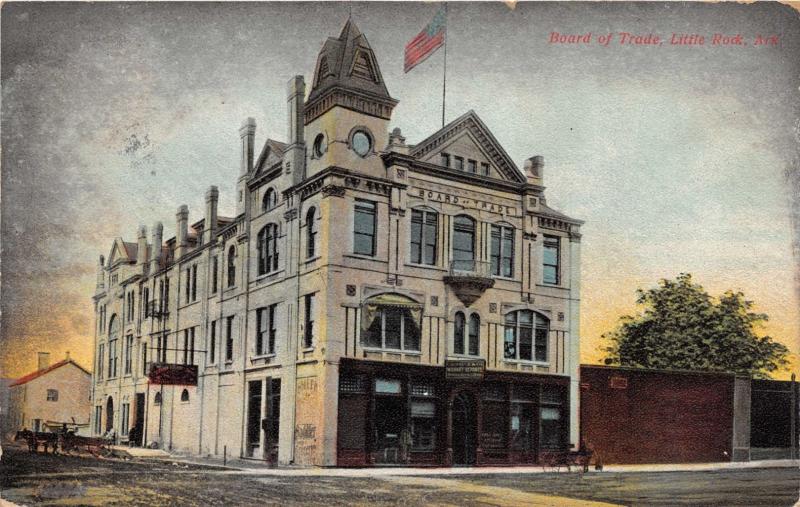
{"type": "Point", "coordinates": [333, 190]}
{"type": "Point", "coordinates": [554, 224]}
{"type": "Point", "coordinates": [361, 102]}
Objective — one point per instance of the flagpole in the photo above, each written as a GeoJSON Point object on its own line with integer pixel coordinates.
{"type": "Point", "coordinates": [444, 74]}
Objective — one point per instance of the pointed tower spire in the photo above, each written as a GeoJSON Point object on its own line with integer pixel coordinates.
{"type": "Point", "coordinates": [347, 75]}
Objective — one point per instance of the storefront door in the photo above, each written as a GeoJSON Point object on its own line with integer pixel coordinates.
{"type": "Point", "coordinates": [463, 429]}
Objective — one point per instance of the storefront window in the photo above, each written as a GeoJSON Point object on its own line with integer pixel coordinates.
{"type": "Point", "coordinates": [551, 423]}
{"type": "Point", "coordinates": [384, 386]}
{"type": "Point", "coordinates": [494, 417]}
{"type": "Point", "coordinates": [423, 425]}
{"type": "Point", "coordinates": [523, 417]}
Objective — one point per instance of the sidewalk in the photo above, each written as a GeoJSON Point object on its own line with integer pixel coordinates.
{"type": "Point", "coordinates": [255, 467]}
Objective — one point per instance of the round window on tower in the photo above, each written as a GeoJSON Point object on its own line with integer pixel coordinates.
{"type": "Point", "coordinates": [319, 145]}
{"type": "Point", "coordinates": [361, 143]}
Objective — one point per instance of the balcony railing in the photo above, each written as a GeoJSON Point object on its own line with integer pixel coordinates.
{"type": "Point", "coordinates": [470, 268]}
{"type": "Point", "coordinates": [469, 279]}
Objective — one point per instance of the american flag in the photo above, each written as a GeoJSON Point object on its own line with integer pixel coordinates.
{"type": "Point", "coordinates": [426, 42]}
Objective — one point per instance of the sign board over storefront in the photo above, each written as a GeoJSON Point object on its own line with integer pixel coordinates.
{"type": "Point", "coordinates": [173, 374]}
{"type": "Point", "coordinates": [464, 369]}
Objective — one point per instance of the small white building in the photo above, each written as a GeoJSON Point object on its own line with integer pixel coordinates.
{"type": "Point", "coordinates": [50, 397]}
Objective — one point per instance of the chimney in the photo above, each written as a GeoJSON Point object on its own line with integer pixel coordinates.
{"type": "Point", "coordinates": [101, 274]}
{"type": "Point", "coordinates": [44, 360]}
{"type": "Point", "coordinates": [141, 250]}
{"type": "Point", "coordinates": [397, 143]}
{"type": "Point", "coordinates": [155, 258]}
{"type": "Point", "coordinates": [295, 157]}
{"type": "Point", "coordinates": [67, 357]}
{"type": "Point", "coordinates": [210, 228]}
{"type": "Point", "coordinates": [181, 231]}
{"type": "Point", "coordinates": [534, 167]}
{"type": "Point", "coordinates": [247, 133]}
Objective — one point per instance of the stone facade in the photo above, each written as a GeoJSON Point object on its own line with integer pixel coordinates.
{"type": "Point", "coordinates": [356, 263]}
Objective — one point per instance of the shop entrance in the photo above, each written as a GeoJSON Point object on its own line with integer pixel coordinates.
{"type": "Point", "coordinates": [463, 431]}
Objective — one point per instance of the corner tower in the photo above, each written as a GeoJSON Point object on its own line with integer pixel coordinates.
{"type": "Point", "coordinates": [348, 110]}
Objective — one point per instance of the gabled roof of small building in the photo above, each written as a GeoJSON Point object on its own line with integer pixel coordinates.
{"type": "Point", "coordinates": [31, 376]}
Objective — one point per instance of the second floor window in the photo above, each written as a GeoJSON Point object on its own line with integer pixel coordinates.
{"type": "Point", "coordinates": [112, 358]}
{"type": "Point", "coordinates": [52, 395]}
{"type": "Point", "coordinates": [100, 360]}
{"type": "Point", "coordinates": [266, 330]}
{"type": "Point", "coordinates": [423, 236]}
{"type": "Point", "coordinates": [467, 337]}
{"type": "Point", "coordinates": [502, 253]}
{"type": "Point", "coordinates": [212, 343]}
{"type": "Point", "coordinates": [463, 243]}
{"type": "Point", "coordinates": [310, 309]}
{"type": "Point", "coordinates": [550, 260]}
{"type": "Point", "coordinates": [214, 271]}
{"type": "Point", "coordinates": [231, 266]}
{"type": "Point", "coordinates": [229, 338]}
{"type": "Point", "coordinates": [526, 335]}
{"type": "Point", "coordinates": [188, 346]}
{"type": "Point", "coordinates": [393, 328]}
{"type": "Point", "coordinates": [268, 249]}
{"type": "Point", "coordinates": [364, 228]}
{"type": "Point", "coordinates": [128, 354]}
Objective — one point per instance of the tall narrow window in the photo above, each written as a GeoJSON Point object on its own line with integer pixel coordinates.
{"type": "Point", "coordinates": [146, 301]}
{"type": "Point", "coordinates": [502, 253]}
{"type": "Point", "coordinates": [423, 236]}
{"type": "Point", "coordinates": [526, 335]}
{"type": "Point", "coordinates": [550, 257]}
{"type": "Point", "coordinates": [474, 334]}
{"type": "Point", "coordinates": [229, 338]}
{"type": "Point", "coordinates": [144, 358]}
{"type": "Point", "coordinates": [166, 295]}
{"type": "Point", "coordinates": [463, 243]}
{"type": "Point", "coordinates": [185, 346]}
{"type": "Point", "coordinates": [101, 354]}
{"type": "Point", "coordinates": [270, 200]}
{"type": "Point", "coordinates": [266, 329]}
{"type": "Point", "coordinates": [188, 292]}
{"type": "Point", "coordinates": [214, 271]}
{"type": "Point", "coordinates": [268, 249]}
{"type": "Point", "coordinates": [194, 282]}
{"type": "Point", "coordinates": [458, 337]}
{"type": "Point", "coordinates": [212, 345]}
{"type": "Point", "coordinates": [128, 354]}
{"type": "Point", "coordinates": [311, 234]}
{"type": "Point", "coordinates": [231, 266]}
{"type": "Point", "coordinates": [364, 228]}
{"type": "Point", "coordinates": [308, 336]}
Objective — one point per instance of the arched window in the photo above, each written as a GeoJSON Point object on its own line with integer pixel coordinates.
{"type": "Point", "coordinates": [268, 249]}
{"type": "Point", "coordinates": [113, 327]}
{"type": "Point", "coordinates": [391, 321]}
{"type": "Point", "coordinates": [231, 266]}
{"type": "Point", "coordinates": [270, 200]}
{"type": "Point", "coordinates": [463, 243]}
{"type": "Point", "coordinates": [458, 333]}
{"type": "Point", "coordinates": [311, 233]}
{"type": "Point", "coordinates": [157, 399]}
{"type": "Point", "coordinates": [474, 334]}
{"type": "Point", "coordinates": [185, 395]}
{"type": "Point", "coordinates": [526, 335]}
{"type": "Point", "coordinates": [424, 224]}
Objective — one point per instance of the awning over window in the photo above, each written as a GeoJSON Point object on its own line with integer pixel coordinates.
{"type": "Point", "coordinates": [374, 304]}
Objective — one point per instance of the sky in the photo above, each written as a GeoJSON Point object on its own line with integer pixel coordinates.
{"type": "Point", "coordinates": [680, 158]}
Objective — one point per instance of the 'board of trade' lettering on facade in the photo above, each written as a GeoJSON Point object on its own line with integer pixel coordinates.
{"type": "Point", "coordinates": [466, 202]}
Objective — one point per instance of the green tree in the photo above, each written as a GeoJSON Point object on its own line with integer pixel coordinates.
{"type": "Point", "coordinates": [682, 327]}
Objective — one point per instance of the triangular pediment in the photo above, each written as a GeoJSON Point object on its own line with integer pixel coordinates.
{"type": "Point", "coordinates": [271, 155]}
{"type": "Point", "coordinates": [469, 139]}
{"type": "Point", "coordinates": [118, 253]}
